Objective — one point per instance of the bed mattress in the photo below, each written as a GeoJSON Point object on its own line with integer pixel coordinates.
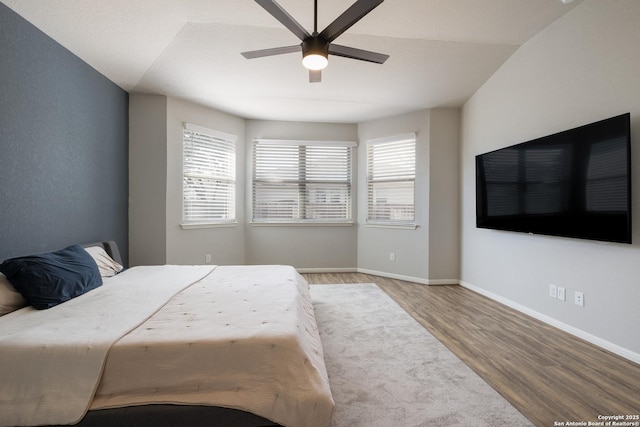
{"type": "Point", "coordinates": [240, 337]}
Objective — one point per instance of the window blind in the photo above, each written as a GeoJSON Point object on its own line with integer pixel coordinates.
{"type": "Point", "coordinates": [209, 176]}
{"type": "Point", "coordinates": [391, 169]}
{"type": "Point", "coordinates": [301, 181]}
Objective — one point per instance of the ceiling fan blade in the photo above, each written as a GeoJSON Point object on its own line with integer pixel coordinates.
{"type": "Point", "coordinates": [285, 19]}
{"type": "Point", "coordinates": [349, 17]}
{"type": "Point", "coordinates": [270, 52]}
{"type": "Point", "coordinates": [315, 76]}
{"type": "Point", "coordinates": [353, 53]}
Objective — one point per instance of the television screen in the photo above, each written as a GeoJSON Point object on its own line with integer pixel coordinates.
{"type": "Point", "coordinates": [575, 183]}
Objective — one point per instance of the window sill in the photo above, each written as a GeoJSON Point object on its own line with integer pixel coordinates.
{"type": "Point", "coordinates": [193, 226]}
{"type": "Point", "coordinates": [301, 224]}
{"type": "Point", "coordinates": [395, 226]}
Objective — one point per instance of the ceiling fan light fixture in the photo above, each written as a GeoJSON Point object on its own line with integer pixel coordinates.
{"type": "Point", "coordinates": [315, 53]}
{"type": "Point", "coordinates": [314, 61]}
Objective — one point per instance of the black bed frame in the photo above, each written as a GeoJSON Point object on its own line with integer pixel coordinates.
{"type": "Point", "coordinates": [110, 247]}
{"type": "Point", "coordinates": [172, 416]}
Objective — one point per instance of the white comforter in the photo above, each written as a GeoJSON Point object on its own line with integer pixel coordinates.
{"type": "Point", "coordinates": [240, 337]}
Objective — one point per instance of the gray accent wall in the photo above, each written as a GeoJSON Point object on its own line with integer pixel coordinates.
{"type": "Point", "coordinates": [63, 146]}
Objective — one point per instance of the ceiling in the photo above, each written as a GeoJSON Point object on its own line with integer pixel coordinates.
{"type": "Point", "coordinates": [441, 51]}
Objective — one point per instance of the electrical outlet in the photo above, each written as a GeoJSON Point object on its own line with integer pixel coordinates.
{"type": "Point", "coordinates": [392, 256]}
{"type": "Point", "coordinates": [207, 259]}
{"type": "Point", "coordinates": [553, 291]}
{"type": "Point", "coordinates": [579, 299]}
{"type": "Point", "coordinates": [561, 293]}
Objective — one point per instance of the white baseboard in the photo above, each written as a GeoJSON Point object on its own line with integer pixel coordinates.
{"type": "Point", "coordinates": [420, 280]}
{"type": "Point", "coordinates": [442, 282]}
{"type": "Point", "coordinates": [394, 276]}
{"type": "Point", "coordinates": [328, 270]}
{"type": "Point", "coordinates": [614, 348]}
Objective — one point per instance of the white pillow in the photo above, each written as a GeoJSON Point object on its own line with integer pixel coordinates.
{"type": "Point", "coordinates": [10, 299]}
{"type": "Point", "coordinates": [106, 265]}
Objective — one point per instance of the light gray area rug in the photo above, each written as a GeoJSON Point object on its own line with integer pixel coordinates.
{"type": "Point", "coordinates": [385, 369]}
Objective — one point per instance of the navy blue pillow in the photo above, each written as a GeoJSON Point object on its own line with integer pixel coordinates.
{"type": "Point", "coordinates": [52, 278]}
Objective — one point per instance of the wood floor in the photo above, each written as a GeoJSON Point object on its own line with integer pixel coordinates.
{"type": "Point", "coordinates": [550, 376]}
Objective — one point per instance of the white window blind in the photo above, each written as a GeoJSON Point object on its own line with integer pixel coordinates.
{"type": "Point", "coordinates": [302, 181]}
{"type": "Point", "coordinates": [391, 172]}
{"type": "Point", "coordinates": [209, 176]}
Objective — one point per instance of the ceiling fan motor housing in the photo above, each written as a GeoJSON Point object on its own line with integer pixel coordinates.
{"type": "Point", "coordinates": [315, 45]}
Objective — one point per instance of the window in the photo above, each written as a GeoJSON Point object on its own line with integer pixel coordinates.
{"type": "Point", "coordinates": [302, 181]}
{"type": "Point", "coordinates": [391, 172]}
{"type": "Point", "coordinates": [208, 177]}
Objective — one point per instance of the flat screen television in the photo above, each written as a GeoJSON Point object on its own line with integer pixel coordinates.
{"type": "Point", "coordinates": [575, 183]}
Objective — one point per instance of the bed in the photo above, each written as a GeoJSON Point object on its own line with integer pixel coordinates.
{"type": "Point", "coordinates": [210, 345]}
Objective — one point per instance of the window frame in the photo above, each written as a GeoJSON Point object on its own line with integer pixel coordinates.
{"type": "Point", "coordinates": [402, 178]}
{"type": "Point", "coordinates": [222, 149]}
{"type": "Point", "coordinates": [304, 205]}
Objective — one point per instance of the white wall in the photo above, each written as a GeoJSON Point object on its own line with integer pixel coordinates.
{"type": "Point", "coordinates": [331, 248]}
{"type": "Point", "coordinates": [156, 194]}
{"type": "Point", "coordinates": [444, 196]}
{"type": "Point", "coordinates": [428, 254]}
{"type": "Point", "coordinates": [147, 179]}
{"type": "Point", "coordinates": [155, 185]}
{"type": "Point", "coordinates": [411, 247]}
{"type": "Point", "coordinates": [583, 68]}
{"type": "Point", "coordinates": [225, 244]}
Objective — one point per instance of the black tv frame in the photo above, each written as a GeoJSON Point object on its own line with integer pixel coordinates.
{"type": "Point", "coordinates": [574, 222]}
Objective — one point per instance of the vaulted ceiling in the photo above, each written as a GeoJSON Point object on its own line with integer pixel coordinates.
{"type": "Point", "coordinates": [441, 51]}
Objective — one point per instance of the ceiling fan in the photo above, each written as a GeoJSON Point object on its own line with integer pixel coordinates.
{"type": "Point", "coordinates": [317, 47]}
